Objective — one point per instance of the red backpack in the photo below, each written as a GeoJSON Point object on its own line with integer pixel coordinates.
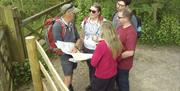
{"type": "Point", "coordinates": [48, 25]}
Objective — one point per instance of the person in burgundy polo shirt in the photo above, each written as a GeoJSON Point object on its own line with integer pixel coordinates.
{"type": "Point", "coordinates": [104, 59]}
{"type": "Point", "coordinates": [128, 37]}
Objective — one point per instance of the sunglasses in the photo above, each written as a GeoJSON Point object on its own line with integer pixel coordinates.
{"type": "Point", "coordinates": [120, 5]}
{"type": "Point", "coordinates": [120, 17]}
{"type": "Point", "coordinates": [93, 11]}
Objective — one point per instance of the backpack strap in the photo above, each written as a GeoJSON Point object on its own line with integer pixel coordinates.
{"type": "Point", "coordinates": [85, 20]}
{"type": "Point", "coordinates": [62, 33]}
{"type": "Point", "coordinates": [113, 15]}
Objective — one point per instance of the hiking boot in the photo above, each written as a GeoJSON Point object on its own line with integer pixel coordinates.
{"type": "Point", "coordinates": [88, 88]}
{"type": "Point", "coordinates": [71, 88]}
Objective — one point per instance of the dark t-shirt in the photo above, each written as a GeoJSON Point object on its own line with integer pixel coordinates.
{"type": "Point", "coordinates": [128, 38]}
{"type": "Point", "coordinates": [70, 35]}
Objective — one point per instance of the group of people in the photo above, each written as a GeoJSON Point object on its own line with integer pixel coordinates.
{"type": "Point", "coordinates": [111, 43]}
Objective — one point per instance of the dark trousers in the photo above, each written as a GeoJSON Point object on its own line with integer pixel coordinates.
{"type": "Point", "coordinates": [91, 71]}
{"type": "Point", "coordinates": [103, 84]}
{"type": "Point", "coordinates": [122, 80]}
{"type": "Point", "coordinates": [91, 68]}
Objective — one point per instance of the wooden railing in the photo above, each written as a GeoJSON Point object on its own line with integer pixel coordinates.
{"type": "Point", "coordinates": [43, 14]}
{"type": "Point", "coordinates": [6, 78]}
{"type": "Point", "coordinates": [55, 82]}
{"type": "Point", "coordinates": [11, 18]}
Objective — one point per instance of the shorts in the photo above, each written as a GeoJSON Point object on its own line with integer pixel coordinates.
{"type": "Point", "coordinates": [67, 66]}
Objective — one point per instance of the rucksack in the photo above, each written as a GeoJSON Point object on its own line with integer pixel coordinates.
{"type": "Point", "coordinates": [138, 26]}
{"type": "Point", "coordinates": [49, 38]}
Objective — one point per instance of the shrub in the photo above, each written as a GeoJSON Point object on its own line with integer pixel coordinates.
{"type": "Point", "coordinates": [22, 73]}
{"type": "Point", "coordinates": [167, 32]}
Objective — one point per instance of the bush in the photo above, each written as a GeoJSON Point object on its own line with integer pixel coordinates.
{"type": "Point", "coordinates": [167, 32]}
{"type": "Point", "coordinates": [149, 30]}
{"type": "Point", "coordinates": [22, 73]}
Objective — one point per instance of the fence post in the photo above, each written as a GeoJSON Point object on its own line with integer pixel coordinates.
{"type": "Point", "coordinates": [34, 63]}
{"type": "Point", "coordinates": [7, 16]}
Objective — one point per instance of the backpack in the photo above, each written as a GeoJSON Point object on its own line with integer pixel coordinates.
{"type": "Point", "coordinates": [49, 38]}
{"type": "Point", "coordinates": [138, 26]}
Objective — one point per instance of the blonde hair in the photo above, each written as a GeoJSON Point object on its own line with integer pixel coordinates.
{"type": "Point", "coordinates": [127, 13]}
{"type": "Point", "coordinates": [110, 36]}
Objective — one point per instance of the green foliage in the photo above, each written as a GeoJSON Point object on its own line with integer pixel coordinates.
{"type": "Point", "coordinates": [160, 21]}
{"type": "Point", "coordinates": [167, 32]}
{"type": "Point", "coordinates": [148, 31]}
{"type": "Point", "coordinates": [22, 73]}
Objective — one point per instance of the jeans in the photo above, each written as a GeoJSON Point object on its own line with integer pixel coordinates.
{"type": "Point", "coordinates": [123, 80]}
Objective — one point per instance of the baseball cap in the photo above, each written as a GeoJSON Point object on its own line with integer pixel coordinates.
{"type": "Point", "coordinates": [67, 7]}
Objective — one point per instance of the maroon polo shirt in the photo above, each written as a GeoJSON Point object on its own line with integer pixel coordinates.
{"type": "Point", "coordinates": [128, 37]}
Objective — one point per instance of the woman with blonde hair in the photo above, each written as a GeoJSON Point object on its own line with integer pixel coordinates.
{"type": "Point", "coordinates": [105, 57]}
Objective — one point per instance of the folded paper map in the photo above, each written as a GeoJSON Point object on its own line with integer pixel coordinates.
{"type": "Point", "coordinates": [66, 47]}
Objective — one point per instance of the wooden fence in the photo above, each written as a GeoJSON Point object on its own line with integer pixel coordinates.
{"type": "Point", "coordinates": [6, 81]}
{"type": "Point", "coordinates": [17, 51]}
{"type": "Point", "coordinates": [10, 17]}
{"type": "Point", "coordinates": [55, 82]}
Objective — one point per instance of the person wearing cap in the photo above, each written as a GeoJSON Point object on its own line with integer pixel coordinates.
{"type": "Point", "coordinates": [120, 6]}
{"type": "Point", "coordinates": [91, 33]}
{"type": "Point", "coordinates": [70, 35]}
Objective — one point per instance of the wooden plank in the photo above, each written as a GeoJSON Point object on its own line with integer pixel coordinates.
{"type": "Point", "coordinates": [34, 64]}
{"type": "Point", "coordinates": [46, 74]}
{"type": "Point", "coordinates": [54, 73]}
{"type": "Point", "coordinates": [1, 33]}
{"type": "Point", "coordinates": [44, 86]}
{"type": "Point", "coordinates": [47, 11]}
{"type": "Point", "coordinates": [17, 50]}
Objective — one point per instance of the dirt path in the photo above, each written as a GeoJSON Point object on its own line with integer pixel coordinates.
{"type": "Point", "coordinates": [155, 69]}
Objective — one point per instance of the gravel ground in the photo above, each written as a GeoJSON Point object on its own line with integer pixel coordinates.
{"type": "Point", "coordinates": [155, 69]}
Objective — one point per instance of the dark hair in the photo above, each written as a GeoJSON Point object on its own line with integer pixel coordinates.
{"type": "Point", "coordinates": [127, 2]}
{"type": "Point", "coordinates": [98, 6]}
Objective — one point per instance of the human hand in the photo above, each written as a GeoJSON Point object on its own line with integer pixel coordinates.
{"type": "Point", "coordinates": [58, 52]}
{"type": "Point", "coordinates": [95, 38]}
{"type": "Point", "coordinates": [74, 50]}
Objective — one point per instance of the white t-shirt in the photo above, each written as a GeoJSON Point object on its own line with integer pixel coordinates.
{"type": "Point", "coordinates": [91, 28]}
